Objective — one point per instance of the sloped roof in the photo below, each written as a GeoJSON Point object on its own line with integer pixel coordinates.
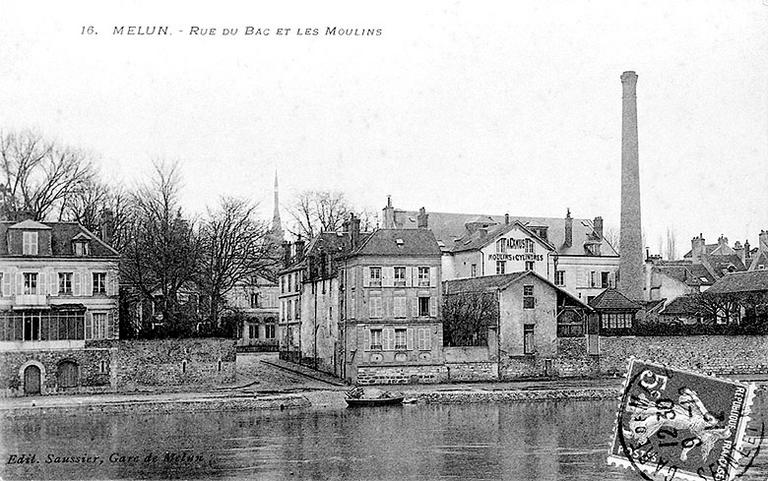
{"type": "Point", "coordinates": [687, 273]}
{"type": "Point", "coordinates": [480, 239]}
{"type": "Point", "coordinates": [29, 224]}
{"type": "Point", "coordinates": [62, 234]}
{"type": "Point", "coordinates": [723, 262]}
{"type": "Point", "coordinates": [450, 226]}
{"type": "Point", "coordinates": [680, 306]}
{"type": "Point", "coordinates": [746, 281]}
{"type": "Point", "coordinates": [760, 258]}
{"type": "Point", "coordinates": [398, 242]}
{"type": "Point", "coordinates": [612, 299]}
{"type": "Point", "coordinates": [501, 282]}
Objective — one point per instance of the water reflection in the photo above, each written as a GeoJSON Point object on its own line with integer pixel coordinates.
{"type": "Point", "coordinates": [536, 441]}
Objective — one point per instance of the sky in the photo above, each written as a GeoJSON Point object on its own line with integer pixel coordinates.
{"type": "Point", "coordinates": [476, 107]}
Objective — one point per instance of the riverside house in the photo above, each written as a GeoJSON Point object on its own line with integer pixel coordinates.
{"type": "Point", "coordinates": [58, 291]}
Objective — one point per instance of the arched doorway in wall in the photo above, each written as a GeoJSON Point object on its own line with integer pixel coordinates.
{"type": "Point", "coordinates": [32, 380]}
{"type": "Point", "coordinates": [67, 374]}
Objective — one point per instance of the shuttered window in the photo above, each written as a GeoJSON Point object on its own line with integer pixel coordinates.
{"type": "Point", "coordinates": [374, 307]}
{"type": "Point", "coordinates": [29, 247]}
{"type": "Point", "coordinates": [399, 306]}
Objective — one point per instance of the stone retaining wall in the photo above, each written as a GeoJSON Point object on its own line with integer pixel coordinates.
{"type": "Point", "coordinates": [719, 355]}
{"type": "Point", "coordinates": [470, 363]}
{"type": "Point", "coordinates": [95, 370]}
{"type": "Point", "coordinates": [424, 374]}
{"type": "Point", "coordinates": [169, 363]}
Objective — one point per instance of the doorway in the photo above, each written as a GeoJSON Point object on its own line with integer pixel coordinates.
{"type": "Point", "coordinates": [31, 380]}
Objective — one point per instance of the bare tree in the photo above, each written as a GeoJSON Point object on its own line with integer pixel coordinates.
{"type": "Point", "coordinates": [235, 246]}
{"type": "Point", "coordinates": [613, 237]}
{"type": "Point", "coordinates": [161, 250]}
{"type": "Point", "coordinates": [89, 203]}
{"type": "Point", "coordinates": [38, 174]}
{"type": "Point", "coordinates": [318, 211]}
{"type": "Point", "coordinates": [467, 317]}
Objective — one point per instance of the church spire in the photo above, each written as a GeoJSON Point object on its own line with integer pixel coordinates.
{"type": "Point", "coordinates": [277, 225]}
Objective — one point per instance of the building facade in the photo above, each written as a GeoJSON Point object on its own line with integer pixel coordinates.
{"type": "Point", "coordinates": [58, 291]}
{"type": "Point", "coordinates": [569, 252]}
{"type": "Point", "coordinates": [254, 302]}
{"type": "Point", "coordinates": [391, 300]}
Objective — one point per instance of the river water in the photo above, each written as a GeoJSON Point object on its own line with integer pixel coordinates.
{"type": "Point", "coordinates": [521, 441]}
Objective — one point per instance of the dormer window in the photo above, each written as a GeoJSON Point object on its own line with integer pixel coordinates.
{"type": "Point", "coordinates": [81, 245]}
{"type": "Point", "coordinates": [30, 245]}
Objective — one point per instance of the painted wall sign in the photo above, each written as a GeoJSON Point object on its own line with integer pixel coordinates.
{"type": "Point", "coordinates": [516, 257]}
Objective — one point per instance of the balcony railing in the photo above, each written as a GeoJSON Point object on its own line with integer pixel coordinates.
{"type": "Point", "coordinates": [31, 300]}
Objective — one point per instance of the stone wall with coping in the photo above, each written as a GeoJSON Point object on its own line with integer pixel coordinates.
{"type": "Point", "coordinates": [96, 370]}
{"type": "Point", "coordinates": [424, 374]}
{"type": "Point", "coordinates": [718, 355]}
{"type": "Point", "coordinates": [470, 363]}
{"type": "Point", "coordinates": [168, 364]}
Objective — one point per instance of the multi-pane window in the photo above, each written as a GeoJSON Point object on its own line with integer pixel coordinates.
{"type": "Point", "coordinates": [473, 270]}
{"type": "Point", "coordinates": [621, 320]}
{"type": "Point", "coordinates": [375, 276]}
{"type": "Point", "coordinates": [604, 279]}
{"type": "Point", "coordinates": [81, 248]}
{"type": "Point", "coordinates": [399, 276]}
{"type": "Point", "coordinates": [376, 339]}
{"type": "Point", "coordinates": [593, 279]}
{"type": "Point", "coordinates": [99, 283]}
{"type": "Point", "coordinates": [501, 246]}
{"type": "Point", "coordinates": [528, 347]}
{"type": "Point", "coordinates": [399, 306]}
{"type": "Point", "coordinates": [289, 310]}
{"type": "Point", "coordinates": [400, 339]}
{"type": "Point", "coordinates": [31, 323]}
{"type": "Point", "coordinates": [423, 306]}
{"type": "Point", "coordinates": [254, 299]}
{"type": "Point", "coordinates": [65, 283]}
{"type": "Point", "coordinates": [269, 331]}
{"type": "Point", "coordinates": [423, 276]}
{"type": "Point", "coordinates": [559, 278]}
{"type": "Point", "coordinates": [528, 246]}
{"type": "Point", "coordinates": [374, 307]}
{"type": "Point", "coordinates": [528, 299]}
{"type": "Point", "coordinates": [501, 267]}
{"type": "Point", "coordinates": [253, 331]}
{"type": "Point", "coordinates": [528, 265]}
{"type": "Point", "coordinates": [297, 309]}
{"type": "Point", "coordinates": [29, 244]}
{"type": "Point", "coordinates": [30, 283]}
{"type": "Point", "coordinates": [96, 326]}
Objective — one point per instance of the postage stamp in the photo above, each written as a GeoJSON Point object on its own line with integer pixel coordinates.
{"type": "Point", "coordinates": [676, 424]}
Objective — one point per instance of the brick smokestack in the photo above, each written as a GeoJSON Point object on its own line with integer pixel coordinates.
{"type": "Point", "coordinates": [568, 241]}
{"type": "Point", "coordinates": [422, 219]}
{"type": "Point", "coordinates": [631, 275]}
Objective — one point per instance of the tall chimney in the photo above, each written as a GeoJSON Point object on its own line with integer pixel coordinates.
{"type": "Point", "coordinates": [286, 254]}
{"type": "Point", "coordinates": [389, 214]}
{"type": "Point", "coordinates": [763, 237]}
{"type": "Point", "coordinates": [745, 255]}
{"type": "Point", "coordinates": [568, 242]}
{"type": "Point", "coordinates": [697, 248]}
{"type": "Point", "coordinates": [354, 230]}
{"type": "Point", "coordinates": [631, 275]}
{"type": "Point", "coordinates": [506, 219]}
{"type": "Point", "coordinates": [299, 247]}
{"type": "Point", "coordinates": [598, 223]}
{"type": "Point", "coordinates": [423, 219]}
{"type": "Point", "coordinates": [107, 226]}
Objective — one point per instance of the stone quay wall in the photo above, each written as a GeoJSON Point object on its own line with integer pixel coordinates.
{"type": "Point", "coordinates": [171, 364]}
{"type": "Point", "coordinates": [417, 374]}
{"type": "Point", "coordinates": [717, 355]}
{"type": "Point", "coordinates": [470, 364]}
{"type": "Point", "coordinates": [96, 370]}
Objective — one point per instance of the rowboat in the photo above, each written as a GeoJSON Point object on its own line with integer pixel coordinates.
{"type": "Point", "coordinates": [383, 401]}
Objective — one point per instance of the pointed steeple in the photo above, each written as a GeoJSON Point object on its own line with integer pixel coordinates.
{"type": "Point", "coordinates": [277, 225]}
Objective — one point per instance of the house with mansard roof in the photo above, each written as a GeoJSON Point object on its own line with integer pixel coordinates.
{"type": "Point", "coordinates": [58, 291]}
{"type": "Point", "coordinates": [570, 252]}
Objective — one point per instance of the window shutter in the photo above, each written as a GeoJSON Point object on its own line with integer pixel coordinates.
{"type": "Point", "coordinates": [7, 284]}
{"type": "Point", "coordinates": [389, 313]}
{"type": "Point", "coordinates": [352, 277]}
{"type": "Point", "coordinates": [366, 276]}
{"type": "Point", "coordinates": [433, 276]}
{"type": "Point", "coordinates": [433, 306]}
{"type": "Point", "coordinates": [54, 284]}
{"type": "Point", "coordinates": [364, 334]}
{"type": "Point", "coordinates": [114, 328]}
{"type": "Point", "coordinates": [19, 283]}
{"type": "Point", "coordinates": [427, 338]}
{"type": "Point", "coordinates": [409, 339]}
{"type": "Point", "coordinates": [390, 338]}
{"type": "Point", "coordinates": [77, 289]}
{"type": "Point", "coordinates": [408, 276]}
{"type": "Point", "coordinates": [415, 307]}
{"type": "Point", "coordinates": [387, 276]}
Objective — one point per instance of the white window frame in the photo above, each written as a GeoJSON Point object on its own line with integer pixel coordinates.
{"type": "Point", "coordinates": [30, 246]}
{"type": "Point", "coordinates": [399, 281]}
{"type": "Point", "coordinates": [423, 276]}
{"type": "Point", "coordinates": [374, 281]}
{"type": "Point", "coordinates": [375, 307]}
{"type": "Point", "coordinates": [501, 267]}
{"type": "Point", "coordinates": [31, 286]}
{"type": "Point", "coordinates": [100, 287]}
